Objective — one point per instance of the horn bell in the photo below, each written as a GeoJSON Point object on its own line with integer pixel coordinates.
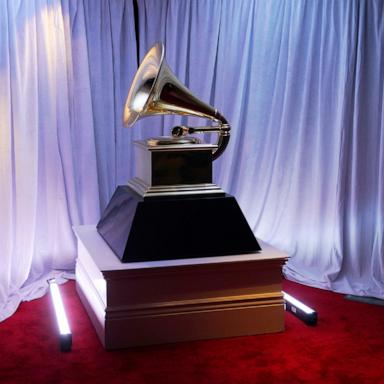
{"type": "Point", "coordinates": [155, 90]}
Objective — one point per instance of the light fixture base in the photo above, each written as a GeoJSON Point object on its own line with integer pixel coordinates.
{"type": "Point", "coordinates": [300, 310]}
{"type": "Point", "coordinates": [66, 343]}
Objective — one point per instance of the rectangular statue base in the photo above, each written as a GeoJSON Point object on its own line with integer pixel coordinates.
{"type": "Point", "coordinates": [177, 300]}
{"type": "Point", "coordinates": [140, 230]}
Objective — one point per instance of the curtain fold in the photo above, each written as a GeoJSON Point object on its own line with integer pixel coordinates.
{"type": "Point", "coordinates": [110, 38]}
{"type": "Point", "coordinates": [51, 149]}
{"type": "Point", "coordinates": [302, 86]}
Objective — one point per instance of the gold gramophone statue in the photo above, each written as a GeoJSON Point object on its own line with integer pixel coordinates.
{"type": "Point", "coordinates": [171, 209]}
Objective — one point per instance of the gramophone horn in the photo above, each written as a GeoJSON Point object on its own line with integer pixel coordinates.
{"type": "Point", "coordinates": [155, 90]}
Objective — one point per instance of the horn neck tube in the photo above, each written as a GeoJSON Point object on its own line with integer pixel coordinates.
{"type": "Point", "coordinates": [223, 130]}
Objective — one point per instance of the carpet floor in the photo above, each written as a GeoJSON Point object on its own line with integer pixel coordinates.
{"type": "Point", "coordinates": [346, 346]}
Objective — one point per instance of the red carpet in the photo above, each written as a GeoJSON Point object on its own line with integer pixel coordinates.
{"type": "Point", "coordinates": [347, 346]}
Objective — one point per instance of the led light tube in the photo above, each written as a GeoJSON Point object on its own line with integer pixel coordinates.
{"type": "Point", "coordinates": [299, 309]}
{"type": "Point", "coordinates": [61, 317]}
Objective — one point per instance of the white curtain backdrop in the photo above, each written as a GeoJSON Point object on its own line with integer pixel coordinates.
{"type": "Point", "coordinates": [301, 83]}
{"type": "Point", "coordinates": [59, 124]}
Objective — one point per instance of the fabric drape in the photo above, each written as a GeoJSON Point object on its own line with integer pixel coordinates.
{"type": "Point", "coordinates": [301, 83]}
{"type": "Point", "coordinates": [57, 122]}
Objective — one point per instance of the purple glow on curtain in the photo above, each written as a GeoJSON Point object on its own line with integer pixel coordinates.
{"type": "Point", "coordinates": [50, 168]}
{"type": "Point", "coordinates": [302, 85]}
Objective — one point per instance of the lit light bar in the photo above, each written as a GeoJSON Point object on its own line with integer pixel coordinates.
{"type": "Point", "coordinates": [299, 309]}
{"type": "Point", "coordinates": [61, 317]}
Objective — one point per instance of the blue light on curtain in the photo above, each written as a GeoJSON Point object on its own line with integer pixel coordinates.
{"type": "Point", "coordinates": [59, 107]}
{"type": "Point", "coordinates": [301, 82]}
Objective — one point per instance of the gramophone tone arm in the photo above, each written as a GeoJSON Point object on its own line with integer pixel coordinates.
{"type": "Point", "coordinates": [223, 131]}
{"type": "Point", "coordinates": [182, 130]}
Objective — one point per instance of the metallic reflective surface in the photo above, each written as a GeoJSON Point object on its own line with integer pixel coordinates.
{"type": "Point", "coordinates": [171, 140]}
{"type": "Point", "coordinates": [145, 190]}
{"type": "Point", "coordinates": [142, 85]}
{"type": "Point", "coordinates": [155, 90]}
{"type": "Point", "coordinates": [174, 169]}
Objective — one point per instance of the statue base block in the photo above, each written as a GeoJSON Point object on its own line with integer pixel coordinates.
{"type": "Point", "coordinates": [167, 228]}
{"type": "Point", "coordinates": [166, 301]}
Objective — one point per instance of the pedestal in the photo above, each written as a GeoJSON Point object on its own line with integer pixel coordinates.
{"type": "Point", "coordinates": [174, 227]}
{"type": "Point", "coordinates": [177, 300]}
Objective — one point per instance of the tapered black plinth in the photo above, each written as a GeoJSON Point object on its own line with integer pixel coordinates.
{"type": "Point", "coordinates": [138, 229]}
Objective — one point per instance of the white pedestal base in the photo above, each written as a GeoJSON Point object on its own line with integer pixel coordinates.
{"type": "Point", "coordinates": [156, 302]}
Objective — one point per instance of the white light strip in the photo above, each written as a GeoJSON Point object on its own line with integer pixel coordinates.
{"type": "Point", "coordinates": [61, 317]}
{"type": "Point", "coordinates": [298, 304]}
